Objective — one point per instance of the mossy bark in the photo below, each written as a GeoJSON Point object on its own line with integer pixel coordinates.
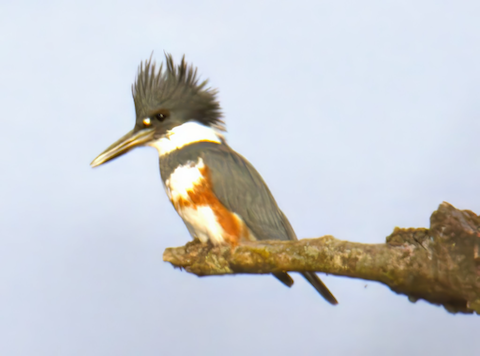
{"type": "Point", "coordinates": [440, 265]}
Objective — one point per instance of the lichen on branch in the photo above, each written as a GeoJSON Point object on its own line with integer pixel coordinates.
{"type": "Point", "coordinates": [440, 265]}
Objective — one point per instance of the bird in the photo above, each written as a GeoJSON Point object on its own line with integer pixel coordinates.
{"type": "Point", "coordinates": [219, 195]}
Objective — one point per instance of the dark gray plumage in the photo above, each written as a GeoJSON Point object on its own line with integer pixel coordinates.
{"type": "Point", "coordinates": [171, 97]}
{"type": "Point", "coordinates": [237, 185]}
{"type": "Point", "coordinates": [241, 189]}
{"type": "Point", "coordinates": [176, 88]}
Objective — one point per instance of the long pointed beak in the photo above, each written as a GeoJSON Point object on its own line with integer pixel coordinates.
{"type": "Point", "coordinates": [126, 143]}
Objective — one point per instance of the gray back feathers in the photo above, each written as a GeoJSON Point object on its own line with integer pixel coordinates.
{"type": "Point", "coordinates": [237, 185]}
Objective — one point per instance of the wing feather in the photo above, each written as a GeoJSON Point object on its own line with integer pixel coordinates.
{"type": "Point", "coordinates": [242, 190]}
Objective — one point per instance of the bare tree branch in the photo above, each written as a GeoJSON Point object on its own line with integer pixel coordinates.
{"type": "Point", "coordinates": [440, 265]}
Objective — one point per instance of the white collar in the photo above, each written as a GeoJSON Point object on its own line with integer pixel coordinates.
{"type": "Point", "coordinates": [183, 135]}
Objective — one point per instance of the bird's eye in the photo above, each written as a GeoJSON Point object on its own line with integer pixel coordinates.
{"type": "Point", "coordinates": [147, 121]}
{"type": "Point", "coordinates": [160, 117]}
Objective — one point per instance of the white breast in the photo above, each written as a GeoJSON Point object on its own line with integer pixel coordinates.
{"type": "Point", "coordinates": [184, 179]}
{"type": "Point", "coordinates": [202, 223]}
{"type": "Point", "coordinates": [182, 188]}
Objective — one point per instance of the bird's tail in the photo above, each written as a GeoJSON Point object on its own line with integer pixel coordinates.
{"type": "Point", "coordinates": [321, 288]}
{"type": "Point", "coordinates": [284, 277]}
{"type": "Point", "coordinates": [313, 279]}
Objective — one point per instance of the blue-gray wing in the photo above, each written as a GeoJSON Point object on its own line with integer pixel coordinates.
{"type": "Point", "coordinates": [241, 189]}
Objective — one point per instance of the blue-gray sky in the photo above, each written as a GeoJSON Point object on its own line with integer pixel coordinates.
{"type": "Point", "coordinates": [361, 116]}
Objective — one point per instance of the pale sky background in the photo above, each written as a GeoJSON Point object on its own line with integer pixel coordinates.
{"type": "Point", "coordinates": [360, 115]}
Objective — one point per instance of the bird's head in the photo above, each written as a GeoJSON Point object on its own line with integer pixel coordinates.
{"type": "Point", "coordinates": [165, 99]}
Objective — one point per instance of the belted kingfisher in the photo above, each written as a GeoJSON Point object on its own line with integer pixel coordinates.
{"type": "Point", "coordinates": [218, 194]}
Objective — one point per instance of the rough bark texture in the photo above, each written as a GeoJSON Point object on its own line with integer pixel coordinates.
{"type": "Point", "coordinates": [440, 265]}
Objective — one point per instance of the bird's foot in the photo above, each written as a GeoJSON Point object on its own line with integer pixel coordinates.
{"type": "Point", "coordinates": [196, 242]}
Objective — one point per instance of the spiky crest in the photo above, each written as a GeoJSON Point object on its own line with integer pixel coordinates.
{"type": "Point", "coordinates": [175, 88]}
